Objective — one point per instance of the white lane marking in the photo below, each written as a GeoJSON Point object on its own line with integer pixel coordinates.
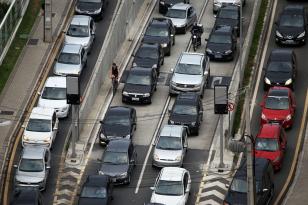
{"type": "Point", "coordinates": [5, 123]}
{"type": "Point", "coordinates": [263, 58]}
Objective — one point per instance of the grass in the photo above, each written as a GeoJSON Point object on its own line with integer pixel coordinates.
{"type": "Point", "coordinates": [19, 41]}
{"type": "Point", "coordinates": [250, 63]}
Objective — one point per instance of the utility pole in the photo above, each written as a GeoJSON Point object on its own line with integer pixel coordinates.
{"type": "Point", "coordinates": [48, 21]}
{"type": "Point", "coordinates": [241, 42]}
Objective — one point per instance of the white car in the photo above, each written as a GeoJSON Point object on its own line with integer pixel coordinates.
{"type": "Point", "coordinates": [41, 128]}
{"type": "Point", "coordinates": [54, 96]}
{"type": "Point", "coordinates": [172, 186]}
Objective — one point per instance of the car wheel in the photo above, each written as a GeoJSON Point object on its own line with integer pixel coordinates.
{"type": "Point", "coordinates": [128, 179]}
{"type": "Point", "coordinates": [169, 52]}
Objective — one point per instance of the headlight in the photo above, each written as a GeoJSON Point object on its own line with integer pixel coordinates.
{"type": "Point", "coordinates": [194, 36]}
{"type": "Point", "coordinates": [172, 83]}
{"type": "Point", "coordinates": [263, 117]}
{"type": "Point", "coordinates": [193, 123]}
{"type": "Point", "coordinates": [26, 138]}
{"type": "Point", "coordinates": [178, 158]}
{"type": "Point", "coordinates": [146, 95]}
{"type": "Point", "coordinates": [289, 117]}
{"type": "Point", "coordinates": [154, 66]}
{"type": "Point", "coordinates": [63, 109]}
{"type": "Point", "coordinates": [97, 11]}
{"type": "Point", "coordinates": [100, 172]}
{"type": "Point", "coordinates": [47, 140]}
{"type": "Point", "coordinates": [171, 122]}
{"type": "Point", "coordinates": [209, 50]}
{"type": "Point", "coordinates": [267, 81]}
{"type": "Point", "coordinates": [217, 2]}
{"type": "Point", "coordinates": [164, 45]}
{"type": "Point", "coordinates": [288, 82]}
{"type": "Point", "coordinates": [276, 159]}
{"type": "Point", "coordinates": [76, 9]}
{"type": "Point", "coordinates": [301, 35]}
{"type": "Point", "coordinates": [134, 64]}
{"type": "Point", "coordinates": [123, 174]}
{"type": "Point", "coordinates": [279, 34]}
{"type": "Point", "coordinates": [228, 52]}
{"type": "Point", "coordinates": [156, 157]}
{"type": "Point", "coordinates": [125, 93]}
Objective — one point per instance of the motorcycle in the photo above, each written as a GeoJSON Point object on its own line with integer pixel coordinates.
{"type": "Point", "coordinates": [196, 39]}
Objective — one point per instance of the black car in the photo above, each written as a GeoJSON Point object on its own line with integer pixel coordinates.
{"type": "Point", "coordinates": [92, 8]}
{"type": "Point", "coordinates": [229, 15]}
{"type": "Point", "coordinates": [281, 69]}
{"type": "Point", "coordinates": [149, 56]}
{"type": "Point", "coordinates": [165, 4]}
{"type": "Point", "coordinates": [221, 44]}
{"type": "Point", "coordinates": [237, 193]}
{"type": "Point", "coordinates": [140, 85]}
{"type": "Point", "coordinates": [27, 196]}
{"type": "Point", "coordinates": [291, 26]}
{"type": "Point", "coordinates": [97, 190]}
{"type": "Point", "coordinates": [160, 31]}
{"type": "Point", "coordinates": [119, 122]}
{"type": "Point", "coordinates": [118, 161]}
{"type": "Point", "coordinates": [187, 110]}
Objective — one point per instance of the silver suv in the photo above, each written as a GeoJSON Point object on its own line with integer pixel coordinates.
{"type": "Point", "coordinates": [33, 167]}
{"type": "Point", "coordinates": [217, 4]}
{"type": "Point", "coordinates": [191, 73]}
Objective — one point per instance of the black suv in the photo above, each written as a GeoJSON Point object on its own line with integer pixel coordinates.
{"type": "Point", "coordinates": [118, 161]}
{"type": "Point", "coordinates": [148, 56]}
{"type": "Point", "coordinates": [187, 110]}
{"type": "Point", "coordinates": [161, 31]}
{"type": "Point", "coordinates": [229, 15]}
{"type": "Point", "coordinates": [119, 122]}
{"type": "Point", "coordinates": [26, 196]}
{"type": "Point", "coordinates": [140, 85]}
{"type": "Point", "coordinates": [92, 8]}
{"type": "Point", "coordinates": [221, 44]}
{"type": "Point", "coordinates": [237, 193]}
{"type": "Point", "coordinates": [280, 69]}
{"type": "Point", "coordinates": [291, 26]}
{"type": "Point", "coordinates": [165, 4]}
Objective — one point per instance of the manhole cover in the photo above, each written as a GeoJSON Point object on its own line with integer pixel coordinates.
{"type": "Point", "coordinates": [33, 41]}
{"type": "Point", "coordinates": [6, 112]}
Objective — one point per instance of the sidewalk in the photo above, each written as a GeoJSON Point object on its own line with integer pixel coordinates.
{"type": "Point", "coordinates": [23, 78]}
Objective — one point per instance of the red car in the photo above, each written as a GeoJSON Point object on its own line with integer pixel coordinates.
{"type": "Point", "coordinates": [271, 144]}
{"type": "Point", "coordinates": [278, 106]}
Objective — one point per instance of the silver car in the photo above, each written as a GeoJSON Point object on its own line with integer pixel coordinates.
{"type": "Point", "coordinates": [182, 16]}
{"type": "Point", "coordinates": [33, 167]}
{"type": "Point", "coordinates": [191, 74]}
{"type": "Point", "coordinates": [217, 4]}
{"type": "Point", "coordinates": [171, 146]}
{"type": "Point", "coordinates": [71, 60]}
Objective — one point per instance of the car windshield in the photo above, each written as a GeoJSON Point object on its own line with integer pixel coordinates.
{"type": "Point", "coordinates": [147, 53]}
{"type": "Point", "coordinates": [189, 69]}
{"type": "Point", "coordinates": [90, 1]}
{"type": "Point", "coordinates": [281, 67]}
{"type": "Point", "coordinates": [228, 14]}
{"type": "Point", "coordinates": [31, 165]}
{"type": "Point", "coordinates": [266, 144]}
{"type": "Point", "coordinates": [38, 125]}
{"type": "Point", "coordinates": [240, 185]}
{"type": "Point", "coordinates": [94, 192]}
{"type": "Point", "coordinates": [176, 13]}
{"type": "Point", "coordinates": [174, 188]}
{"type": "Point", "coordinates": [292, 20]}
{"type": "Point", "coordinates": [138, 79]}
{"type": "Point", "coordinates": [115, 158]}
{"type": "Point", "coordinates": [169, 143]}
{"type": "Point", "coordinates": [156, 31]}
{"type": "Point", "coordinates": [69, 58]}
{"type": "Point", "coordinates": [185, 110]}
{"type": "Point", "coordinates": [277, 103]}
{"type": "Point", "coordinates": [54, 93]}
{"type": "Point", "coordinates": [78, 31]}
{"type": "Point", "coordinates": [116, 120]}
{"type": "Point", "coordinates": [220, 39]}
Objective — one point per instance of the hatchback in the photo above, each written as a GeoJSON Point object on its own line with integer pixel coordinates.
{"type": "Point", "coordinates": [92, 8]}
{"type": "Point", "coordinates": [27, 196]}
{"type": "Point", "coordinates": [164, 5]}
{"type": "Point", "coordinates": [229, 15]}
{"type": "Point", "coordinates": [278, 106]}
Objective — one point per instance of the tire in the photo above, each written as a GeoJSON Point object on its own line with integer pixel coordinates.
{"type": "Point", "coordinates": [162, 63]}
{"type": "Point", "coordinates": [128, 179]}
{"type": "Point", "coordinates": [173, 41]}
{"type": "Point", "coordinates": [195, 46]}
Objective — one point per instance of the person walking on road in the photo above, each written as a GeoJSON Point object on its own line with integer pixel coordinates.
{"type": "Point", "coordinates": [114, 75]}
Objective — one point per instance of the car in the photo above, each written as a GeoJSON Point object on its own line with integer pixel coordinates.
{"type": "Point", "coordinates": [41, 128]}
{"type": "Point", "coordinates": [191, 73]}
{"type": "Point", "coordinates": [270, 144]}
{"type": "Point", "coordinates": [118, 161]}
{"type": "Point", "coordinates": [119, 122]}
{"type": "Point", "coordinates": [140, 85]}
{"type": "Point", "coordinates": [229, 15]}
{"type": "Point", "coordinates": [27, 196]}
{"type": "Point", "coordinates": [54, 96]}
{"type": "Point", "coordinates": [149, 56]}
{"type": "Point", "coordinates": [187, 110]}
{"type": "Point", "coordinates": [278, 106]}
{"type": "Point", "coordinates": [221, 44]}
{"type": "Point", "coordinates": [165, 4]}
{"type": "Point", "coordinates": [217, 4]}
{"type": "Point", "coordinates": [33, 167]}
{"type": "Point", "coordinates": [97, 190]}
{"type": "Point", "coordinates": [281, 69]}
{"type": "Point", "coordinates": [237, 191]}
{"type": "Point", "coordinates": [81, 31]}
{"type": "Point", "coordinates": [161, 31]}
{"type": "Point", "coordinates": [172, 186]}
{"type": "Point", "coordinates": [93, 8]}
{"type": "Point", "coordinates": [182, 16]}
{"type": "Point", "coordinates": [170, 147]}
{"type": "Point", "coordinates": [291, 26]}
{"type": "Point", "coordinates": [71, 60]}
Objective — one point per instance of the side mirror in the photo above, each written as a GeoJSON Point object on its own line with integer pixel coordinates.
{"type": "Point", "coordinates": [39, 93]}
{"type": "Point", "coordinates": [185, 146]}
{"type": "Point", "coordinates": [92, 33]}
{"type": "Point", "coordinates": [169, 110]}
{"type": "Point", "coordinates": [187, 190]}
{"type": "Point", "coordinates": [15, 165]}
{"type": "Point", "coordinates": [171, 35]}
{"type": "Point", "coordinates": [206, 39]}
{"type": "Point", "coordinates": [172, 69]}
{"type": "Point", "coordinates": [201, 111]}
{"type": "Point", "coordinates": [23, 126]}
{"type": "Point", "coordinates": [227, 185]}
{"type": "Point", "coordinates": [55, 128]}
{"type": "Point", "coordinates": [132, 161]}
{"type": "Point", "coordinates": [101, 121]}
{"type": "Point", "coordinates": [152, 188]}
{"type": "Point", "coordinates": [48, 167]}
{"type": "Point", "coordinates": [276, 23]}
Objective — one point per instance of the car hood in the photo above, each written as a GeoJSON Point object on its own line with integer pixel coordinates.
{"type": "Point", "coordinates": [167, 154]}
{"type": "Point", "coordinates": [131, 88]}
{"type": "Point", "coordinates": [227, 22]}
{"type": "Point", "coordinates": [290, 31]}
{"type": "Point", "coordinates": [185, 119]}
{"type": "Point", "coordinates": [275, 114]}
{"type": "Point", "coordinates": [65, 69]}
{"type": "Point", "coordinates": [92, 201]}
{"type": "Point", "coordinates": [236, 198]}
{"type": "Point", "coordinates": [114, 169]}
{"type": "Point", "coordinates": [278, 77]}
{"type": "Point", "coordinates": [167, 200]}
{"type": "Point", "coordinates": [187, 79]}
{"type": "Point", "coordinates": [155, 39]}
{"type": "Point", "coordinates": [37, 136]}
{"type": "Point", "coordinates": [219, 47]}
{"type": "Point", "coordinates": [52, 103]}
{"type": "Point", "coordinates": [178, 22]}
{"type": "Point", "coordinates": [116, 130]}
{"type": "Point", "coordinates": [84, 41]}
{"type": "Point", "coordinates": [85, 6]}
{"type": "Point", "coordinates": [267, 155]}
{"type": "Point", "coordinates": [145, 62]}
{"type": "Point", "coordinates": [29, 177]}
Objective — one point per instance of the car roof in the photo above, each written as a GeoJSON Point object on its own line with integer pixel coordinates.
{"type": "Point", "coordinates": [97, 180]}
{"type": "Point", "coordinates": [223, 29]}
{"type": "Point", "coordinates": [122, 110]}
{"type": "Point", "coordinates": [191, 58]}
{"type": "Point", "coordinates": [188, 97]}
{"type": "Point", "coordinates": [118, 145]}
{"type": "Point", "coordinates": [56, 81]}
{"type": "Point", "coordinates": [159, 21]}
{"type": "Point", "coordinates": [281, 54]}
{"type": "Point", "coordinates": [71, 48]}
{"type": "Point", "coordinates": [269, 131]}
{"type": "Point", "coordinates": [149, 45]}
{"type": "Point", "coordinates": [230, 7]}
{"type": "Point", "coordinates": [293, 8]}
{"type": "Point", "coordinates": [261, 164]}
{"type": "Point", "coordinates": [141, 70]}
{"type": "Point", "coordinates": [42, 113]}
{"type": "Point", "coordinates": [171, 131]}
{"type": "Point", "coordinates": [180, 6]}
{"type": "Point", "coordinates": [172, 173]}
{"type": "Point", "coordinates": [80, 20]}
{"type": "Point", "coordinates": [278, 92]}
{"type": "Point", "coordinates": [33, 152]}
{"type": "Point", "coordinates": [25, 196]}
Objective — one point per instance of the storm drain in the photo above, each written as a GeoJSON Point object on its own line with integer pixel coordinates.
{"type": "Point", "coordinates": [33, 41]}
{"type": "Point", "coordinates": [6, 112]}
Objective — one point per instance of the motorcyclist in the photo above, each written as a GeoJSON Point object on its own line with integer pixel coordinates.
{"type": "Point", "coordinates": [197, 29]}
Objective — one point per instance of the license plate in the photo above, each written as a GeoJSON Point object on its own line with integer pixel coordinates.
{"type": "Point", "coordinates": [218, 56]}
{"type": "Point", "coordinates": [289, 41]}
{"type": "Point", "coordinates": [135, 99]}
{"type": "Point", "coordinates": [114, 179]}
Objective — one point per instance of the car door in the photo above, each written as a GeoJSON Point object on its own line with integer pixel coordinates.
{"type": "Point", "coordinates": [154, 79]}
{"type": "Point", "coordinates": [47, 163]}
{"type": "Point", "coordinates": [92, 31]}
{"type": "Point", "coordinates": [54, 126]}
{"type": "Point", "coordinates": [83, 57]}
{"type": "Point", "coordinates": [294, 66]}
{"type": "Point", "coordinates": [283, 139]}
{"type": "Point", "coordinates": [200, 110]}
{"type": "Point", "coordinates": [192, 16]}
{"type": "Point", "coordinates": [293, 104]}
{"type": "Point", "coordinates": [186, 184]}
{"type": "Point", "coordinates": [161, 55]}
{"type": "Point", "coordinates": [184, 142]}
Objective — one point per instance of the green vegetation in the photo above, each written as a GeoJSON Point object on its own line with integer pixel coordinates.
{"type": "Point", "coordinates": [251, 62]}
{"type": "Point", "coordinates": [19, 41]}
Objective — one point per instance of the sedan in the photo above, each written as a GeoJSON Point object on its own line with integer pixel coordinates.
{"type": "Point", "coordinates": [229, 15]}
{"type": "Point", "coordinates": [92, 8]}
{"type": "Point", "coordinates": [278, 106]}
{"type": "Point", "coordinates": [182, 16]}
{"type": "Point", "coordinates": [119, 122]}
{"type": "Point", "coordinates": [164, 5]}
